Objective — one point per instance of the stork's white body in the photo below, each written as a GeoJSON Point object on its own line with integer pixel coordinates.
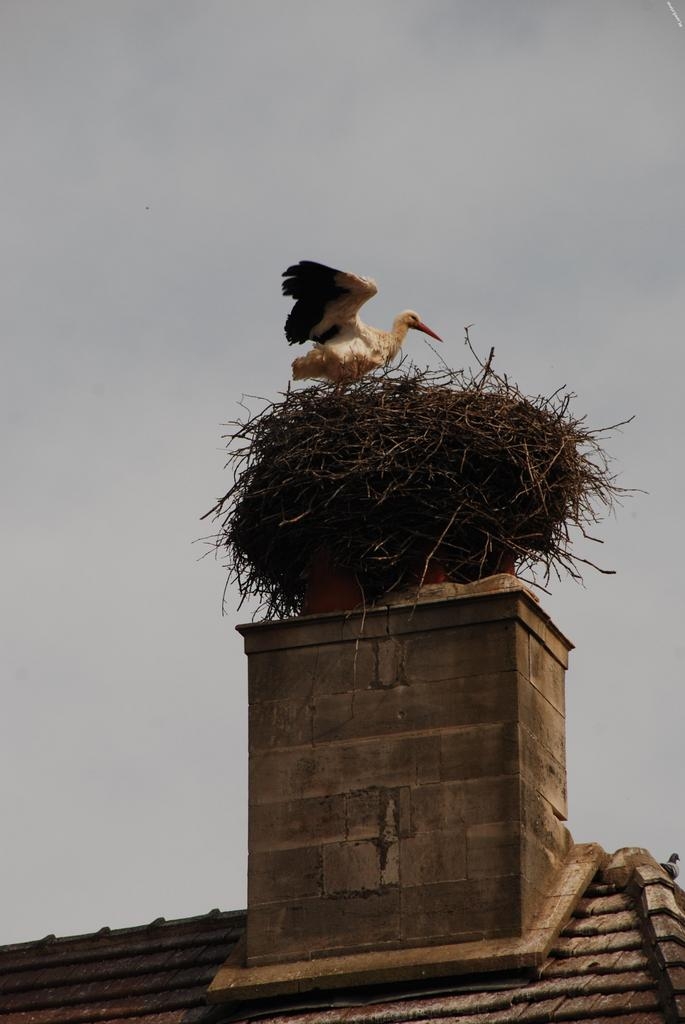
{"type": "Point", "coordinates": [357, 350]}
{"type": "Point", "coordinates": [326, 312]}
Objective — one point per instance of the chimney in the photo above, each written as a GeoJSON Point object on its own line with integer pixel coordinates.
{"type": "Point", "coordinates": [407, 781]}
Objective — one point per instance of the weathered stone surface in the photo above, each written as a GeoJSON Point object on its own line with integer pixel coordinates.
{"type": "Point", "coordinates": [276, 826]}
{"type": "Point", "coordinates": [284, 874]}
{"type": "Point", "coordinates": [414, 707]}
{"type": "Point", "coordinates": [481, 610]}
{"type": "Point", "coordinates": [624, 861]}
{"type": "Point", "coordinates": [543, 771]}
{"type": "Point", "coordinates": [361, 866]}
{"type": "Point", "coordinates": [475, 650]}
{"type": "Point", "coordinates": [539, 820]}
{"type": "Point", "coordinates": [438, 856]}
{"type": "Point", "coordinates": [546, 673]}
{"type": "Point", "coordinates": [405, 818]}
{"type": "Point", "coordinates": [363, 813]}
{"type": "Point", "coordinates": [278, 775]}
{"type": "Point", "coordinates": [493, 849]}
{"type": "Point", "coordinates": [467, 801]}
{"type": "Point", "coordinates": [541, 627]}
{"type": "Point", "coordinates": [351, 867]}
{"type": "Point", "coordinates": [464, 910]}
{"type": "Point", "coordinates": [313, 631]}
{"type": "Point", "coordinates": [303, 671]}
{"type": "Point", "coordinates": [390, 862]}
{"type": "Point", "coordinates": [474, 752]}
{"type": "Point", "coordinates": [542, 719]}
{"type": "Point", "coordinates": [446, 591]}
{"type": "Point", "coordinates": [304, 927]}
{"type": "Point", "coordinates": [280, 723]}
{"type": "Point", "coordinates": [389, 655]}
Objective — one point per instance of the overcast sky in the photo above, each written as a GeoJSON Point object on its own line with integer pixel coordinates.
{"type": "Point", "coordinates": [520, 166]}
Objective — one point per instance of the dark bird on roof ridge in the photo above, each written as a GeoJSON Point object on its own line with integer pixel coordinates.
{"type": "Point", "coordinates": [327, 303]}
{"type": "Point", "coordinates": [671, 865]}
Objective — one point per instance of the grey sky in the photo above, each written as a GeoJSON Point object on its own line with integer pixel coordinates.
{"type": "Point", "coordinates": [520, 166]}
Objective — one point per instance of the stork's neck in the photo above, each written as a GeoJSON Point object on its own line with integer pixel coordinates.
{"type": "Point", "coordinates": [399, 329]}
{"type": "Point", "coordinates": [386, 344]}
{"type": "Point", "coordinates": [397, 335]}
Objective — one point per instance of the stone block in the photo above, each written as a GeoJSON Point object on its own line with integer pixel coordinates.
{"type": "Point", "coordinates": [539, 822]}
{"type": "Point", "coordinates": [294, 774]}
{"type": "Point", "coordinates": [275, 875]}
{"type": "Point", "coordinates": [454, 614]}
{"type": "Point", "coordinates": [304, 671]}
{"type": "Point", "coordinates": [280, 723]}
{"type": "Point", "coordinates": [376, 813]}
{"type": "Point", "coordinates": [351, 867]}
{"type": "Point", "coordinates": [416, 707]}
{"type": "Point", "coordinates": [315, 630]}
{"type": "Point", "coordinates": [311, 927]}
{"type": "Point", "coordinates": [438, 856]}
{"type": "Point", "coordinates": [467, 651]}
{"type": "Point", "coordinates": [545, 773]}
{"type": "Point", "coordinates": [379, 813]}
{"type": "Point", "coordinates": [542, 719]}
{"type": "Point", "coordinates": [363, 814]}
{"type": "Point", "coordinates": [390, 862]}
{"type": "Point", "coordinates": [479, 751]}
{"type": "Point", "coordinates": [540, 626]}
{"type": "Point", "coordinates": [338, 716]}
{"type": "Point", "coordinates": [466, 801]}
{"type": "Point", "coordinates": [461, 911]}
{"type": "Point", "coordinates": [405, 822]}
{"type": "Point", "coordinates": [494, 850]}
{"type": "Point", "coordinates": [540, 866]}
{"type": "Point", "coordinates": [389, 664]}
{"type": "Point", "coordinates": [547, 674]}
{"type": "Point", "coordinates": [273, 826]}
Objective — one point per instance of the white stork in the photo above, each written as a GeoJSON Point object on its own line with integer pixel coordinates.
{"type": "Point", "coordinates": [326, 308]}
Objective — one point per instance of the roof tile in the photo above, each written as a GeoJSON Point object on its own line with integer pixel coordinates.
{"type": "Point", "coordinates": [591, 1007]}
{"type": "Point", "coordinates": [611, 904]}
{"type": "Point", "coordinates": [157, 973]}
{"type": "Point", "coordinates": [672, 953]}
{"type": "Point", "coordinates": [110, 969]}
{"type": "Point", "coordinates": [599, 963]}
{"type": "Point", "coordinates": [586, 945]}
{"type": "Point", "coordinates": [677, 977]}
{"type": "Point", "coordinates": [603, 924]}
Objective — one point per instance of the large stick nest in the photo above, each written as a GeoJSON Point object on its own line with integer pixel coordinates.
{"type": "Point", "coordinates": [396, 469]}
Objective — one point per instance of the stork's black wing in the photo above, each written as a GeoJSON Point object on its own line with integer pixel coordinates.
{"type": "Point", "coordinates": [326, 299]}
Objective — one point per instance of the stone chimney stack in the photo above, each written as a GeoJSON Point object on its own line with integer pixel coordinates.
{"type": "Point", "coordinates": [407, 775]}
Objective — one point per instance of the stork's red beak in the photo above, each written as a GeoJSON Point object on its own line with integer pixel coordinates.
{"type": "Point", "coordinates": [426, 330]}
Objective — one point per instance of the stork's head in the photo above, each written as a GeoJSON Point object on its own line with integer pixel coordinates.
{"type": "Point", "coordinates": [413, 320]}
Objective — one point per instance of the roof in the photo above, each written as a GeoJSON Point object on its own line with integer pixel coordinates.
{"type": "Point", "coordinates": [619, 960]}
{"type": "Point", "coordinates": [153, 974]}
